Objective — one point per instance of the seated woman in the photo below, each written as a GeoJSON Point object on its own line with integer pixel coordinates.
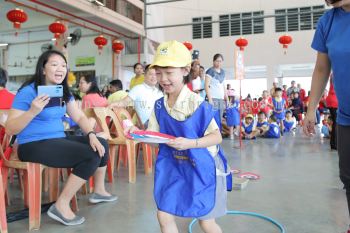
{"type": "Point", "coordinates": [142, 96]}
{"type": "Point", "coordinates": [37, 122]}
{"type": "Point", "coordinates": [93, 96]}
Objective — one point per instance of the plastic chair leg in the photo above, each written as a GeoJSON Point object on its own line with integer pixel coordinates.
{"type": "Point", "coordinates": [147, 158]}
{"type": "Point", "coordinates": [131, 150]}
{"type": "Point", "coordinates": [34, 195]}
{"type": "Point", "coordinates": [111, 162]}
{"type": "Point", "coordinates": [3, 220]}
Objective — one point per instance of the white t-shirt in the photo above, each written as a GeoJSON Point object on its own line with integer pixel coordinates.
{"type": "Point", "coordinates": [196, 84]}
{"type": "Point", "coordinates": [216, 88]}
{"type": "Point", "coordinates": [144, 97]}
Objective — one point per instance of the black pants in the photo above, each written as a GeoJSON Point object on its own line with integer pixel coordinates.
{"type": "Point", "coordinates": [296, 113]}
{"type": "Point", "coordinates": [344, 158]}
{"type": "Point", "coordinates": [70, 152]}
{"type": "Point", "coordinates": [333, 134]}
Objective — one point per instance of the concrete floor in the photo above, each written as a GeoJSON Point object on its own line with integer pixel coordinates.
{"type": "Point", "coordinates": [299, 187]}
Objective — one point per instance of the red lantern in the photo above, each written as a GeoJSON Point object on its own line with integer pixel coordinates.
{"type": "Point", "coordinates": [241, 43]}
{"type": "Point", "coordinates": [188, 45]}
{"type": "Point", "coordinates": [17, 16]}
{"type": "Point", "coordinates": [285, 40]}
{"type": "Point", "coordinates": [117, 46]}
{"type": "Point", "coordinates": [100, 41]}
{"type": "Point", "coordinates": [57, 28]}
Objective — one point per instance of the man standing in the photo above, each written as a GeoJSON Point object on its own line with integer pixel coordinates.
{"type": "Point", "coordinates": [292, 88]}
{"type": "Point", "coordinates": [116, 90]}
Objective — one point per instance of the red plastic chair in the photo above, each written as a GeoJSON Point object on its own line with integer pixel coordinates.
{"type": "Point", "coordinates": [3, 220]}
{"type": "Point", "coordinates": [32, 182]}
{"type": "Point", "coordinates": [106, 117]}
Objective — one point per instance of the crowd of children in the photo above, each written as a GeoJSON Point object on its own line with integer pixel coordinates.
{"type": "Point", "coordinates": [272, 114]}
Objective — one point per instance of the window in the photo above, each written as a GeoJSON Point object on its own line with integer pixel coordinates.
{"type": "Point", "coordinates": [207, 27]}
{"type": "Point", "coordinates": [203, 30]}
{"type": "Point", "coordinates": [235, 24]}
{"type": "Point", "coordinates": [293, 19]}
{"type": "Point", "coordinates": [281, 21]}
{"type": "Point", "coordinates": [196, 29]}
{"type": "Point", "coordinates": [258, 23]}
{"type": "Point", "coordinates": [316, 16]}
{"type": "Point", "coordinates": [247, 23]}
{"type": "Point", "coordinates": [224, 25]}
{"type": "Point", "coordinates": [305, 18]}
{"type": "Point", "coordinates": [297, 19]}
{"type": "Point", "coordinates": [241, 24]}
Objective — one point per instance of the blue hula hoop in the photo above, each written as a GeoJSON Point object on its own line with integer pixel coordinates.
{"type": "Point", "coordinates": [231, 212]}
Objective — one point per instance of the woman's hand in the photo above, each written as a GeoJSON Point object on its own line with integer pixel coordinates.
{"type": "Point", "coordinates": [38, 104]}
{"type": "Point", "coordinates": [96, 145]}
{"type": "Point", "coordinates": [309, 123]}
{"type": "Point", "coordinates": [181, 143]}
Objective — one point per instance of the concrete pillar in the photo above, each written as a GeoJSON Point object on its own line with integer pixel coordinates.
{"type": "Point", "coordinates": [271, 75]}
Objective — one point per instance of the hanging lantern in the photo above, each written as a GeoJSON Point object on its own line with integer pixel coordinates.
{"type": "Point", "coordinates": [57, 28]}
{"type": "Point", "coordinates": [117, 46]}
{"type": "Point", "coordinates": [285, 40]}
{"type": "Point", "coordinates": [17, 16]}
{"type": "Point", "coordinates": [188, 45]}
{"type": "Point", "coordinates": [100, 41]}
{"type": "Point", "coordinates": [241, 43]}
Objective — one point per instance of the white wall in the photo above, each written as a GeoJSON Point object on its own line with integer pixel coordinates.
{"type": "Point", "coordinates": [263, 49]}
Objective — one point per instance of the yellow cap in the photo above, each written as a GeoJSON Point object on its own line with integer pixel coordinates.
{"type": "Point", "coordinates": [249, 116]}
{"type": "Point", "coordinates": [172, 54]}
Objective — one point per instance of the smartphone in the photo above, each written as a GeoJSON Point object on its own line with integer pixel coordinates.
{"type": "Point", "coordinates": [51, 91]}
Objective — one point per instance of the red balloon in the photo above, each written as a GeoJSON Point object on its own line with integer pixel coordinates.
{"type": "Point", "coordinates": [241, 43]}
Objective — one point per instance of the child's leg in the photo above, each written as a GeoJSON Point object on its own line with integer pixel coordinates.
{"type": "Point", "coordinates": [231, 132]}
{"type": "Point", "coordinates": [209, 226]}
{"type": "Point", "coordinates": [167, 222]}
{"type": "Point", "coordinates": [281, 127]}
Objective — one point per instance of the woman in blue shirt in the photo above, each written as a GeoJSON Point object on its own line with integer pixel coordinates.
{"type": "Point", "coordinates": [37, 122]}
{"type": "Point", "coordinates": [331, 41]}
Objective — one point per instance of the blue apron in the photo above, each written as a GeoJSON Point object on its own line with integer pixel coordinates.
{"type": "Point", "coordinates": [259, 125]}
{"type": "Point", "coordinates": [185, 181]}
{"type": "Point", "coordinates": [288, 125]}
{"type": "Point", "coordinates": [273, 132]}
{"type": "Point", "coordinates": [248, 128]}
{"type": "Point", "coordinates": [232, 116]}
{"type": "Point", "coordinates": [279, 106]}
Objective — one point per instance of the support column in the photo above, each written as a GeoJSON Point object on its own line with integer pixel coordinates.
{"type": "Point", "coordinates": [271, 75]}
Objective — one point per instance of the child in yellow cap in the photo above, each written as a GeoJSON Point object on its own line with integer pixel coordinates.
{"type": "Point", "coordinates": [191, 170]}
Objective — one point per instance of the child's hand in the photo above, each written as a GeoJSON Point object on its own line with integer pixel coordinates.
{"type": "Point", "coordinates": [130, 129]}
{"type": "Point", "coordinates": [181, 143]}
